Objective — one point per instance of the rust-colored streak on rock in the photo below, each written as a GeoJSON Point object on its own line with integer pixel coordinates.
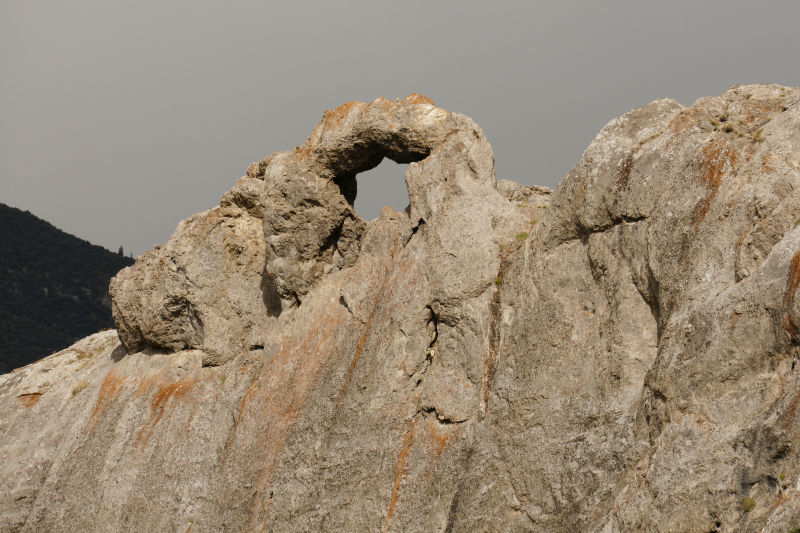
{"type": "Point", "coordinates": [788, 296]}
{"type": "Point", "coordinates": [159, 404]}
{"type": "Point", "coordinates": [29, 400]}
{"type": "Point", "coordinates": [274, 401]}
{"type": "Point", "coordinates": [108, 391]}
{"type": "Point", "coordinates": [789, 414]}
{"type": "Point", "coordinates": [714, 156]}
{"type": "Point", "coordinates": [359, 349]}
{"type": "Point", "coordinates": [283, 405]}
{"type": "Point", "coordinates": [441, 438]}
{"type": "Point", "coordinates": [363, 340]}
{"type": "Point", "coordinates": [399, 472]}
{"type": "Point", "coordinates": [437, 438]}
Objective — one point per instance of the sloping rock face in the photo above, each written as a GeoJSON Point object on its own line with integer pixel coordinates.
{"type": "Point", "coordinates": [618, 355]}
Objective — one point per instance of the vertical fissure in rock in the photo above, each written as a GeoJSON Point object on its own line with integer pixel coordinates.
{"type": "Point", "coordinates": [430, 351]}
{"type": "Point", "coordinates": [494, 338]}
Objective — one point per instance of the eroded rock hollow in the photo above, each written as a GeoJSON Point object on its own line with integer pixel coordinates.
{"type": "Point", "coordinates": [618, 355]}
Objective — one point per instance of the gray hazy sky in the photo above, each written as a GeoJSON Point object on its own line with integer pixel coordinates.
{"type": "Point", "coordinates": [118, 119]}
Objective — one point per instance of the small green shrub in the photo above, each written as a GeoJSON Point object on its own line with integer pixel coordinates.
{"type": "Point", "coordinates": [522, 236]}
{"type": "Point", "coordinates": [224, 376]}
{"type": "Point", "coordinates": [498, 281]}
{"type": "Point", "coordinates": [534, 222]}
{"type": "Point", "coordinates": [783, 474]}
{"type": "Point", "coordinates": [758, 138]}
{"type": "Point", "coordinates": [79, 386]}
{"type": "Point", "coordinates": [748, 504]}
{"type": "Point", "coordinates": [728, 128]}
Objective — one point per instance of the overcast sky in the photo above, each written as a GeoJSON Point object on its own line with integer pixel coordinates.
{"type": "Point", "coordinates": [120, 118]}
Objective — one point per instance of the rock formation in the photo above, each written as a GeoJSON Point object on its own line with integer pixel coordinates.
{"type": "Point", "coordinates": [616, 356]}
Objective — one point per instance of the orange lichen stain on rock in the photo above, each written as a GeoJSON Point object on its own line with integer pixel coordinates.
{"type": "Point", "coordinates": [29, 400]}
{"type": "Point", "coordinates": [712, 167]}
{"type": "Point", "coordinates": [334, 118]}
{"type": "Point", "coordinates": [790, 412]}
{"type": "Point", "coordinates": [108, 391]}
{"type": "Point", "coordinates": [788, 296]}
{"type": "Point", "coordinates": [331, 120]}
{"type": "Point", "coordinates": [399, 472]}
{"type": "Point", "coordinates": [754, 110]}
{"type": "Point", "coordinates": [274, 401]}
{"type": "Point", "coordinates": [685, 122]}
{"type": "Point", "coordinates": [442, 438]}
{"type": "Point", "coordinates": [436, 439]}
{"type": "Point", "coordinates": [363, 340]}
{"type": "Point", "coordinates": [205, 221]}
{"type": "Point", "coordinates": [387, 107]}
{"type": "Point", "coordinates": [416, 98]}
{"type": "Point", "coordinates": [163, 394]}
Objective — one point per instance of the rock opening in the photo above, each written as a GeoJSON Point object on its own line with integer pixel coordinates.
{"type": "Point", "coordinates": [384, 185]}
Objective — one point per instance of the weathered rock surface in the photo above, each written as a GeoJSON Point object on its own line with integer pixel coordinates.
{"type": "Point", "coordinates": [618, 355]}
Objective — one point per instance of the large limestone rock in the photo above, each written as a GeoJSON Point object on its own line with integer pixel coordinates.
{"type": "Point", "coordinates": [619, 355]}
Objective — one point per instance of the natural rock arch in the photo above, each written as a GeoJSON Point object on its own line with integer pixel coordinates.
{"type": "Point", "coordinates": [304, 241]}
{"type": "Point", "coordinates": [303, 201]}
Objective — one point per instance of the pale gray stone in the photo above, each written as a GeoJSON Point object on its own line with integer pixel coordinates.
{"type": "Point", "coordinates": [616, 355]}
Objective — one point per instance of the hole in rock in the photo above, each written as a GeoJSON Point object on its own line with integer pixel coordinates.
{"type": "Point", "coordinates": [383, 185]}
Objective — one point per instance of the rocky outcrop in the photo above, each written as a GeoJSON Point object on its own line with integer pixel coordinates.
{"type": "Point", "coordinates": [618, 355]}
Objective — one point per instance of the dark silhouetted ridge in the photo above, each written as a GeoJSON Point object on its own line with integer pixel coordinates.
{"type": "Point", "coordinates": [53, 288]}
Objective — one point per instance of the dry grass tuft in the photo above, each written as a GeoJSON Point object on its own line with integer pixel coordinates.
{"type": "Point", "coordinates": [79, 386]}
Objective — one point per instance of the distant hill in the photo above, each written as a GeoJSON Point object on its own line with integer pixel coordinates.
{"type": "Point", "coordinates": [53, 288]}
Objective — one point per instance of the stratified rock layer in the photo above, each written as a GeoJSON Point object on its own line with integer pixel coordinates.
{"type": "Point", "coordinates": [617, 356]}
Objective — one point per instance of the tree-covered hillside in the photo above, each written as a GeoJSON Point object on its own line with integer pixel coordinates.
{"type": "Point", "coordinates": [53, 288]}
